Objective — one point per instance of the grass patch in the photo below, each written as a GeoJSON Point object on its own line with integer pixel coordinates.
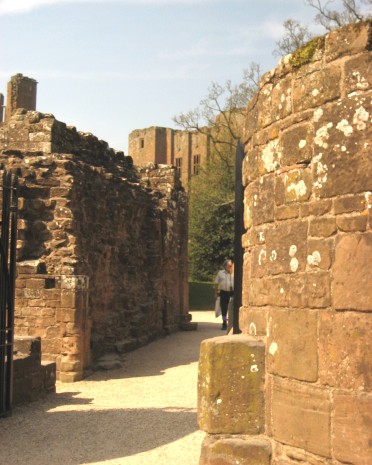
{"type": "Point", "coordinates": [201, 296]}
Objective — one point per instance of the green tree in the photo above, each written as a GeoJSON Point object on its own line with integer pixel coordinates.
{"type": "Point", "coordinates": [211, 193]}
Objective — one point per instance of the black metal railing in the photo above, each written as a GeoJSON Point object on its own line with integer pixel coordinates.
{"type": "Point", "coordinates": [239, 228]}
{"type": "Point", "coordinates": [8, 243]}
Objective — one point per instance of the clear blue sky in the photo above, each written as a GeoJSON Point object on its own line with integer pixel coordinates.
{"type": "Point", "coordinates": [112, 66]}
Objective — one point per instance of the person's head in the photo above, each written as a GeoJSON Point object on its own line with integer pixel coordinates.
{"type": "Point", "coordinates": [228, 265]}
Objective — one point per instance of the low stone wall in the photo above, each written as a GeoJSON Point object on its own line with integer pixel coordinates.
{"type": "Point", "coordinates": [32, 378]}
{"type": "Point", "coordinates": [102, 249]}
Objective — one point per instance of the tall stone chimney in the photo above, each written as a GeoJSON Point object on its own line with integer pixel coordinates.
{"type": "Point", "coordinates": [21, 93]}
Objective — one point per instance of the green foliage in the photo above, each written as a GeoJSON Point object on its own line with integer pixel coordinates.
{"type": "Point", "coordinates": [201, 295]}
{"type": "Point", "coordinates": [211, 227]}
{"type": "Point", "coordinates": [305, 54]}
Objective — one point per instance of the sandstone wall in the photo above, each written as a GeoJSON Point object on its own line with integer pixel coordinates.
{"type": "Point", "coordinates": [295, 387]}
{"type": "Point", "coordinates": [102, 250]}
{"type": "Point", "coordinates": [307, 278]}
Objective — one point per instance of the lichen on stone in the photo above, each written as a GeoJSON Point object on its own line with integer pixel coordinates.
{"type": "Point", "coordinates": [305, 54]}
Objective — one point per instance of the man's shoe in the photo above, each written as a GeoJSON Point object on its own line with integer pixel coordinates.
{"type": "Point", "coordinates": [224, 325]}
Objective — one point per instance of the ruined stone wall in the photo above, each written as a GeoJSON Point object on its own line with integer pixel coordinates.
{"type": "Point", "coordinates": [295, 387]}
{"type": "Point", "coordinates": [307, 279]}
{"type": "Point", "coordinates": [102, 249]}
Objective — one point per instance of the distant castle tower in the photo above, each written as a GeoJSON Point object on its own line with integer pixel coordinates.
{"type": "Point", "coordinates": [21, 93]}
{"type": "Point", "coordinates": [186, 150]}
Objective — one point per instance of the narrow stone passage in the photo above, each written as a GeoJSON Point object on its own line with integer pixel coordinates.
{"type": "Point", "coordinates": [144, 413]}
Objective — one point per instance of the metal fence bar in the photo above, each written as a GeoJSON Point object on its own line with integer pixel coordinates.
{"type": "Point", "coordinates": [8, 240]}
{"type": "Point", "coordinates": [238, 251]}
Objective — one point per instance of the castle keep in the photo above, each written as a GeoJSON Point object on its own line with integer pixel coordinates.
{"type": "Point", "coordinates": [295, 387]}
{"type": "Point", "coordinates": [186, 150]}
{"type": "Point", "coordinates": [102, 246]}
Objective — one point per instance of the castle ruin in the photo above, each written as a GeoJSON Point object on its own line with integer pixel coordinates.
{"type": "Point", "coordinates": [102, 246]}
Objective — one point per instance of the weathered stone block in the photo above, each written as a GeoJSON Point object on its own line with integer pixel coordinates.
{"type": "Point", "coordinates": [230, 451]}
{"type": "Point", "coordinates": [310, 290]}
{"type": "Point", "coordinates": [320, 254]}
{"type": "Point", "coordinates": [296, 145]}
{"type": "Point", "coordinates": [230, 385]}
{"type": "Point", "coordinates": [347, 41]}
{"type": "Point", "coordinates": [253, 321]}
{"type": "Point", "coordinates": [286, 247]}
{"type": "Point", "coordinates": [294, 186]}
{"type": "Point", "coordinates": [350, 203]}
{"type": "Point", "coordinates": [314, 89]}
{"type": "Point", "coordinates": [322, 227]}
{"type": "Point", "coordinates": [292, 344]}
{"type": "Point", "coordinates": [345, 350]}
{"type": "Point", "coordinates": [352, 223]}
{"type": "Point", "coordinates": [352, 428]}
{"type": "Point", "coordinates": [352, 273]}
{"type": "Point", "coordinates": [342, 135]}
{"type": "Point", "coordinates": [258, 292]}
{"type": "Point", "coordinates": [357, 74]}
{"type": "Point", "coordinates": [287, 212]}
{"type": "Point", "coordinates": [301, 416]}
{"type": "Point", "coordinates": [317, 208]}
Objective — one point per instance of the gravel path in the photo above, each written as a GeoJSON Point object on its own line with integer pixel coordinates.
{"type": "Point", "coordinates": [142, 414]}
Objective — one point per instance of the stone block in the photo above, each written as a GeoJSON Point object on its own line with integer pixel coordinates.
{"type": "Point", "coordinates": [348, 40]}
{"type": "Point", "coordinates": [316, 88]}
{"type": "Point", "coordinates": [312, 290]}
{"type": "Point", "coordinates": [316, 208]}
{"type": "Point", "coordinates": [352, 273]}
{"type": "Point", "coordinates": [342, 162]}
{"type": "Point", "coordinates": [259, 199]}
{"type": "Point", "coordinates": [322, 227]}
{"type": "Point", "coordinates": [230, 385]}
{"type": "Point", "coordinates": [69, 377]}
{"type": "Point", "coordinates": [349, 204]}
{"type": "Point", "coordinates": [301, 416]}
{"type": "Point", "coordinates": [352, 428]}
{"type": "Point", "coordinates": [253, 321]}
{"type": "Point", "coordinates": [286, 247]}
{"type": "Point", "coordinates": [287, 212]}
{"type": "Point", "coordinates": [231, 451]}
{"type": "Point", "coordinates": [296, 145]}
{"type": "Point", "coordinates": [258, 293]}
{"type": "Point", "coordinates": [279, 292]}
{"type": "Point", "coordinates": [292, 344]}
{"type": "Point", "coordinates": [352, 223]}
{"type": "Point", "coordinates": [357, 74]}
{"type": "Point", "coordinates": [296, 186]}
{"type": "Point", "coordinates": [345, 350]}
{"type": "Point", "coordinates": [320, 253]}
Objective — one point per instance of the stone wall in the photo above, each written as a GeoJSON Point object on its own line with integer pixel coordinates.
{"type": "Point", "coordinates": [32, 378]}
{"type": "Point", "coordinates": [307, 275]}
{"type": "Point", "coordinates": [102, 249]}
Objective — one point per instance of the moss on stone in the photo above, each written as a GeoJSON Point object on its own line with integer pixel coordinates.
{"type": "Point", "coordinates": [305, 54]}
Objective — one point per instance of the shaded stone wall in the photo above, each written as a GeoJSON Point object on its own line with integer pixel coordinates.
{"type": "Point", "coordinates": [102, 250]}
{"type": "Point", "coordinates": [307, 275]}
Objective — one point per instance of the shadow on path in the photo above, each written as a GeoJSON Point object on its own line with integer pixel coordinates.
{"type": "Point", "coordinates": [90, 436]}
{"type": "Point", "coordinates": [72, 427]}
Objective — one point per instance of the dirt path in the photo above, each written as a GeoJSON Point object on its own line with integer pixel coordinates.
{"type": "Point", "coordinates": [144, 413]}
